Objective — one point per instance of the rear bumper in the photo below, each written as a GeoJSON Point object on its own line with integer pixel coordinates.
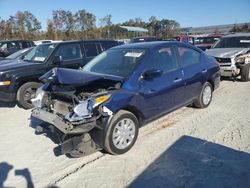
{"type": "Point", "coordinates": [7, 97]}
{"type": "Point", "coordinates": [62, 125]}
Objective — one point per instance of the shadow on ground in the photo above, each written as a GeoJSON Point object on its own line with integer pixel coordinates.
{"type": "Point", "coordinates": [34, 122]}
{"type": "Point", "coordinates": [7, 104]}
{"type": "Point", "coordinates": [5, 168]}
{"type": "Point", "coordinates": [192, 162]}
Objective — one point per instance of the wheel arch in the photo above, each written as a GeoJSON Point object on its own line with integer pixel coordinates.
{"type": "Point", "coordinates": [136, 112]}
{"type": "Point", "coordinates": [212, 83]}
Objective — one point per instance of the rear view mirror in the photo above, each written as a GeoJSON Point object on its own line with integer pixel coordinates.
{"type": "Point", "coordinates": [57, 60]}
{"type": "Point", "coordinates": [150, 74]}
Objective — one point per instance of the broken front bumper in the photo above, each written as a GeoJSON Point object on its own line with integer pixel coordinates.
{"type": "Point", "coordinates": [62, 125]}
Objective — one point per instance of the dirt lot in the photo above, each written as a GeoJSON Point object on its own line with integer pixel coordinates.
{"type": "Point", "coordinates": [187, 148]}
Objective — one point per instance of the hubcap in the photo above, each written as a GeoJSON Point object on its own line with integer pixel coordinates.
{"type": "Point", "coordinates": [124, 133]}
{"type": "Point", "coordinates": [207, 94]}
{"type": "Point", "coordinates": [29, 94]}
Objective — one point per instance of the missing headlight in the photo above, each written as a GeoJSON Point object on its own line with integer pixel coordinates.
{"type": "Point", "coordinates": [81, 111]}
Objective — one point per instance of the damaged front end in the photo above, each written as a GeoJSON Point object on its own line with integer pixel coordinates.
{"type": "Point", "coordinates": [74, 108]}
{"type": "Point", "coordinates": [69, 113]}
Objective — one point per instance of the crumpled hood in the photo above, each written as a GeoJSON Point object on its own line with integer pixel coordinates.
{"type": "Point", "coordinates": [226, 52]}
{"type": "Point", "coordinates": [16, 64]}
{"type": "Point", "coordinates": [75, 77]}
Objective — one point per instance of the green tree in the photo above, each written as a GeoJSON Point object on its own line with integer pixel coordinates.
{"type": "Point", "coordinates": [106, 20]}
{"type": "Point", "coordinates": [51, 33]}
{"type": "Point", "coordinates": [85, 20]}
{"type": "Point", "coordinates": [106, 24]}
{"type": "Point", "coordinates": [23, 25]}
{"type": "Point", "coordinates": [245, 28]}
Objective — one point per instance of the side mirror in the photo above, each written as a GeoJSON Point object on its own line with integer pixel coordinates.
{"type": "Point", "coordinates": [151, 74]}
{"type": "Point", "coordinates": [57, 60]}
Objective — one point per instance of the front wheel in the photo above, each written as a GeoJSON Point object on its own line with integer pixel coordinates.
{"type": "Point", "coordinates": [27, 92]}
{"type": "Point", "coordinates": [121, 133]}
{"type": "Point", "coordinates": [205, 96]}
{"type": "Point", "coordinates": [245, 73]}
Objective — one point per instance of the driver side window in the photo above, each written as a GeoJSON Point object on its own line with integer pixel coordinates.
{"type": "Point", "coordinates": [162, 59]}
{"type": "Point", "coordinates": [69, 52]}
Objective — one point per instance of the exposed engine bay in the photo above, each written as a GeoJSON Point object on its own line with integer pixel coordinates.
{"type": "Point", "coordinates": [74, 109]}
{"type": "Point", "coordinates": [78, 104]}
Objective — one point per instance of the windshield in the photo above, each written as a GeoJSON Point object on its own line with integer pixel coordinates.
{"type": "Point", "coordinates": [233, 42]}
{"type": "Point", "coordinates": [117, 62]}
{"type": "Point", "coordinates": [40, 53]}
{"type": "Point", "coordinates": [18, 53]}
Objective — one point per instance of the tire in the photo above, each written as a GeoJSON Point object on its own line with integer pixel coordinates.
{"type": "Point", "coordinates": [25, 93]}
{"type": "Point", "coordinates": [245, 73]}
{"type": "Point", "coordinates": [116, 144]}
{"type": "Point", "coordinates": [205, 96]}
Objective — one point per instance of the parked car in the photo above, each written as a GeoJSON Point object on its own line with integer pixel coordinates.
{"type": "Point", "coordinates": [9, 47]}
{"type": "Point", "coordinates": [19, 55]}
{"type": "Point", "coordinates": [19, 79]}
{"type": "Point", "coordinates": [206, 42]}
{"type": "Point", "coordinates": [233, 54]}
{"type": "Point", "coordinates": [38, 42]}
{"type": "Point", "coordinates": [103, 105]}
{"type": "Point", "coordinates": [184, 39]}
{"type": "Point", "coordinates": [145, 39]}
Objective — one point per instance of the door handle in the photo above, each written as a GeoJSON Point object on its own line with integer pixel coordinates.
{"type": "Point", "coordinates": [204, 71]}
{"type": "Point", "coordinates": [151, 91]}
{"type": "Point", "coordinates": [177, 80]}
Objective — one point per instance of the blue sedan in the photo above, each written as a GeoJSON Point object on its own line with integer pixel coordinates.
{"type": "Point", "coordinates": [122, 89]}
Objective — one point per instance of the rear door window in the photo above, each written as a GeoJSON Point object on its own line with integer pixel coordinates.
{"type": "Point", "coordinates": [90, 50]}
{"type": "Point", "coordinates": [107, 45]}
{"type": "Point", "coordinates": [23, 45]}
{"type": "Point", "coordinates": [188, 56]}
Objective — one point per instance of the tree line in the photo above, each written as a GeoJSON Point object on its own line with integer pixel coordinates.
{"type": "Point", "coordinates": [66, 25]}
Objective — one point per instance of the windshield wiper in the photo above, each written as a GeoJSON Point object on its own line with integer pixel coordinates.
{"type": "Point", "coordinates": [27, 60]}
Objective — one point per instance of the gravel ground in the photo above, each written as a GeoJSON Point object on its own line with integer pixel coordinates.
{"type": "Point", "coordinates": [187, 148]}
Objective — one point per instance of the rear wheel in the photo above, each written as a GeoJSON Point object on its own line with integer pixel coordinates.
{"type": "Point", "coordinates": [205, 96]}
{"type": "Point", "coordinates": [245, 73]}
{"type": "Point", "coordinates": [27, 92]}
{"type": "Point", "coordinates": [122, 133]}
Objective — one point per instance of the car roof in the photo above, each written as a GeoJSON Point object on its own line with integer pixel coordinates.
{"type": "Point", "coordinates": [17, 40]}
{"type": "Point", "coordinates": [84, 40]}
{"type": "Point", "coordinates": [238, 35]}
{"type": "Point", "coordinates": [146, 45]}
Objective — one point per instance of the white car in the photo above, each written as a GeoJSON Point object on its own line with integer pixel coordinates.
{"type": "Point", "coordinates": [233, 54]}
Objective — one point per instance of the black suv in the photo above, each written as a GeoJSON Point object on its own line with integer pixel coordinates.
{"type": "Point", "coordinates": [19, 80]}
{"type": "Point", "coordinates": [8, 47]}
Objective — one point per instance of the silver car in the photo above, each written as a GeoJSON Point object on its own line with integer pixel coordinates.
{"type": "Point", "coordinates": [233, 54]}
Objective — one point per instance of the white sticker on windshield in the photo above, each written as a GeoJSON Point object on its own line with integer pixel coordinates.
{"type": "Point", "coordinates": [39, 58]}
{"type": "Point", "coordinates": [133, 54]}
{"type": "Point", "coordinates": [244, 41]}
